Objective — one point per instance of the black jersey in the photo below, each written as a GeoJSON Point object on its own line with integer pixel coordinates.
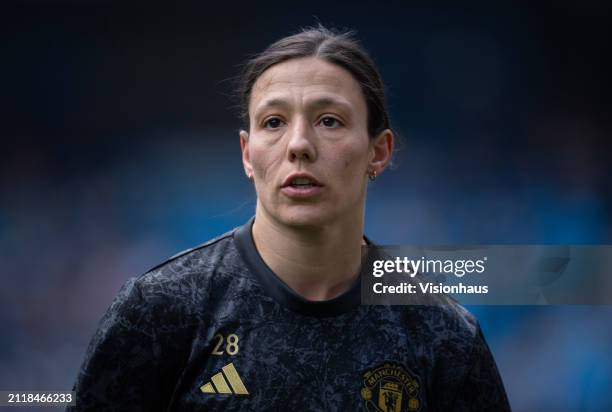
{"type": "Point", "coordinates": [213, 328]}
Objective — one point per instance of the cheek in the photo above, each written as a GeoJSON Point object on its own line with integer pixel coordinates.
{"type": "Point", "coordinates": [263, 158]}
{"type": "Point", "coordinates": [352, 160]}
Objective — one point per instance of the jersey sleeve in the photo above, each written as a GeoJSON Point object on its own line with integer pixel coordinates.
{"type": "Point", "coordinates": [123, 368]}
{"type": "Point", "coordinates": [482, 388]}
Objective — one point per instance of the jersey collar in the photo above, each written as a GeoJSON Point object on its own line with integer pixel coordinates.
{"type": "Point", "coordinates": [282, 293]}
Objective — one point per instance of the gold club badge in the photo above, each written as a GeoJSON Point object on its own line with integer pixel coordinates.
{"type": "Point", "coordinates": [391, 388]}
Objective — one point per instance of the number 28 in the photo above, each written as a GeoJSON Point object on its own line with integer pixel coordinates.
{"type": "Point", "coordinates": [231, 346]}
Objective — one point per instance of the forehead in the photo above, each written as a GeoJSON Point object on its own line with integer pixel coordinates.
{"type": "Point", "coordinates": [303, 77]}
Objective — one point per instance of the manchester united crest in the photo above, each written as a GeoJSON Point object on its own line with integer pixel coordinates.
{"type": "Point", "coordinates": [391, 388]}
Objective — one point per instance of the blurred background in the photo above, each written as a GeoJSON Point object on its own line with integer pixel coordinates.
{"type": "Point", "coordinates": [120, 148]}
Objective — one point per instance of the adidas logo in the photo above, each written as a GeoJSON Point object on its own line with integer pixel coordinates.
{"type": "Point", "coordinates": [220, 381]}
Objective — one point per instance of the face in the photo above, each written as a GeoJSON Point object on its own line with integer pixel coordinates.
{"type": "Point", "coordinates": [308, 149]}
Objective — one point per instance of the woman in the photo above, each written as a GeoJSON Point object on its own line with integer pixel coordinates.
{"type": "Point", "coordinates": [268, 315]}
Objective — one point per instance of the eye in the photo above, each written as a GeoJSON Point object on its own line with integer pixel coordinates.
{"type": "Point", "coordinates": [273, 123]}
{"type": "Point", "coordinates": [331, 122]}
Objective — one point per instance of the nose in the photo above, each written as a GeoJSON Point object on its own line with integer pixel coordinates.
{"type": "Point", "coordinates": [301, 145]}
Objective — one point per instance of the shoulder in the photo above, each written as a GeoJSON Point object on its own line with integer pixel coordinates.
{"type": "Point", "coordinates": [218, 256]}
{"type": "Point", "coordinates": [447, 327]}
{"type": "Point", "coordinates": [181, 284]}
{"type": "Point", "coordinates": [195, 257]}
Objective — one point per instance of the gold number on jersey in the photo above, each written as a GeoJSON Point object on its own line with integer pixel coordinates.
{"type": "Point", "coordinates": [231, 347]}
{"type": "Point", "coordinates": [232, 344]}
{"type": "Point", "coordinates": [216, 350]}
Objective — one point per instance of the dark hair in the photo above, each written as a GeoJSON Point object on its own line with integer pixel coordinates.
{"type": "Point", "coordinates": [339, 48]}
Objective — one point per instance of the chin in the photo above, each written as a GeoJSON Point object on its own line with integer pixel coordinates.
{"type": "Point", "coordinates": [305, 217]}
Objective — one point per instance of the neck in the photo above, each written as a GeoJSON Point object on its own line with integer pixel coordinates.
{"type": "Point", "coordinates": [317, 263]}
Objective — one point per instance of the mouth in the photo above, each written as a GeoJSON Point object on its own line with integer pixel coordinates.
{"type": "Point", "coordinates": [301, 181]}
{"type": "Point", "coordinates": [301, 186]}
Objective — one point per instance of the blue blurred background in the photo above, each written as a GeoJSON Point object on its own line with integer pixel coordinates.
{"type": "Point", "coordinates": [120, 148]}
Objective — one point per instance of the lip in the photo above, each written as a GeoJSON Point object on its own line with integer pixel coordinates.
{"type": "Point", "coordinates": [300, 193]}
{"type": "Point", "coordinates": [288, 179]}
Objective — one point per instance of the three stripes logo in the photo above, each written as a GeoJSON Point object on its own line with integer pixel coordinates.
{"type": "Point", "coordinates": [219, 382]}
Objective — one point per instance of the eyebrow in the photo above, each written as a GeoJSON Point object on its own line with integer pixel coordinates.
{"type": "Point", "coordinates": [319, 103]}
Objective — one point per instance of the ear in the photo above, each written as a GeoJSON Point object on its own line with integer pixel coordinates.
{"type": "Point", "coordinates": [381, 151]}
{"type": "Point", "coordinates": [246, 158]}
